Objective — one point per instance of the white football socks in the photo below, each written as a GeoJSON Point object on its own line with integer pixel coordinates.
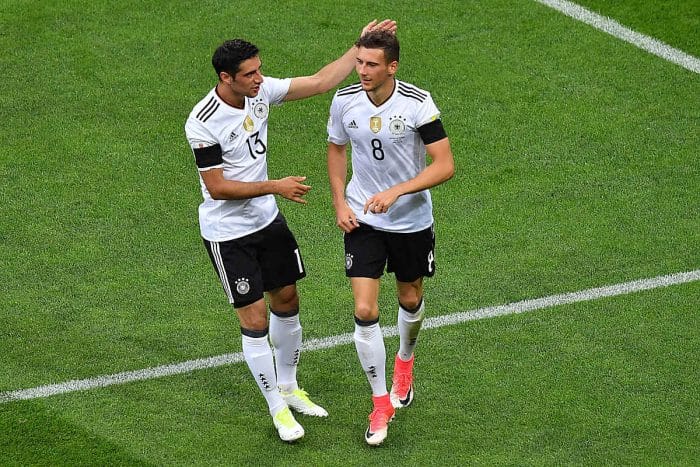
{"type": "Point", "coordinates": [258, 356]}
{"type": "Point", "coordinates": [285, 336]}
{"type": "Point", "coordinates": [409, 325]}
{"type": "Point", "coordinates": [372, 354]}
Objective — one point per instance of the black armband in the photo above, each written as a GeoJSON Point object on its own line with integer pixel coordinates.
{"type": "Point", "coordinates": [208, 156]}
{"type": "Point", "coordinates": [431, 132]}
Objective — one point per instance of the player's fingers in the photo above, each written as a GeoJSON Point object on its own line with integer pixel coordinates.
{"type": "Point", "coordinates": [387, 25]}
{"type": "Point", "coordinates": [342, 225]}
{"type": "Point", "coordinates": [371, 25]}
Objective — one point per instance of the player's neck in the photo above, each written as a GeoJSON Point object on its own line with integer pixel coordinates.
{"type": "Point", "coordinates": [382, 93]}
{"type": "Point", "coordinates": [232, 99]}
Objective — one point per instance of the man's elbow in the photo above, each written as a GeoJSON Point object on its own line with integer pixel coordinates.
{"type": "Point", "coordinates": [323, 87]}
{"type": "Point", "coordinates": [449, 172]}
{"type": "Point", "coordinates": [216, 195]}
{"type": "Point", "coordinates": [216, 192]}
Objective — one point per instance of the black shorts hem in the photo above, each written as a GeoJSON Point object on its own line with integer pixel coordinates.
{"type": "Point", "coordinates": [246, 302]}
{"type": "Point", "coordinates": [348, 274]}
{"type": "Point", "coordinates": [269, 287]}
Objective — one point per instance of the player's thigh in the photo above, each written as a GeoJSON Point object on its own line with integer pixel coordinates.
{"type": "Point", "coordinates": [365, 252]}
{"type": "Point", "coordinates": [236, 265]}
{"type": "Point", "coordinates": [280, 259]}
{"type": "Point", "coordinates": [412, 255]}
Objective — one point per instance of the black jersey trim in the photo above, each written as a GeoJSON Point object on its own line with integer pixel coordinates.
{"type": "Point", "coordinates": [432, 132]}
{"type": "Point", "coordinates": [413, 93]}
{"type": "Point", "coordinates": [409, 88]}
{"type": "Point", "coordinates": [351, 89]}
{"type": "Point", "coordinates": [209, 109]}
{"type": "Point", "coordinates": [209, 156]}
{"type": "Point", "coordinates": [412, 96]}
{"type": "Point", "coordinates": [211, 112]}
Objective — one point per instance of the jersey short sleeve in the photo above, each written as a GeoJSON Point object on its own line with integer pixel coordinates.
{"type": "Point", "coordinates": [276, 89]}
{"type": "Point", "coordinates": [427, 112]}
{"type": "Point", "coordinates": [205, 147]}
{"type": "Point", "coordinates": [336, 132]}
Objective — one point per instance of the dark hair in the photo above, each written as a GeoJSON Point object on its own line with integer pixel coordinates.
{"type": "Point", "coordinates": [229, 55]}
{"type": "Point", "coordinates": [381, 40]}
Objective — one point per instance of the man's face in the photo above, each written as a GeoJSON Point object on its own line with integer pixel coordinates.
{"type": "Point", "coordinates": [247, 80]}
{"type": "Point", "coordinates": [372, 68]}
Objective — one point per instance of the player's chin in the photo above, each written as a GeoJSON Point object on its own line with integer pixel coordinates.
{"type": "Point", "coordinates": [254, 92]}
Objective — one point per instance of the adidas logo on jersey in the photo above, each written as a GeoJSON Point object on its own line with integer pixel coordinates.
{"type": "Point", "coordinates": [352, 124]}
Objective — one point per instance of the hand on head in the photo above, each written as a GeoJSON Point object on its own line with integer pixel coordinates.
{"type": "Point", "coordinates": [374, 25]}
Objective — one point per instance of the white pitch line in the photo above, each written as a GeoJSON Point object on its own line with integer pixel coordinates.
{"type": "Point", "coordinates": [341, 339]}
{"type": "Point", "coordinates": [614, 28]}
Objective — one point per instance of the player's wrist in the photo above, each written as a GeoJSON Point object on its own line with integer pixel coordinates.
{"type": "Point", "coordinates": [274, 187]}
{"type": "Point", "coordinates": [339, 203]}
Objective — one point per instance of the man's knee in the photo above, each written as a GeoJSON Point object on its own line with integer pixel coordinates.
{"type": "Point", "coordinates": [366, 311]}
{"type": "Point", "coordinates": [253, 317]}
{"type": "Point", "coordinates": [284, 299]}
{"type": "Point", "coordinates": [410, 304]}
{"type": "Point", "coordinates": [410, 295]}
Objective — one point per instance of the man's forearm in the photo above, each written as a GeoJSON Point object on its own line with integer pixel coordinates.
{"type": "Point", "coordinates": [335, 72]}
{"type": "Point", "coordinates": [233, 189]}
{"type": "Point", "coordinates": [337, 169]}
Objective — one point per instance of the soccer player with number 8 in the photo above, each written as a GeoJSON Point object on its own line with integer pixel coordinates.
{"type": "Point", "coordinates": [386, 210]}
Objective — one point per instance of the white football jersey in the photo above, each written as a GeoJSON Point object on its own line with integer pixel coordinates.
{"type": "Point", "coordinates": [386, 150]}
{"type": "Point", "coordinates": [241, 135]}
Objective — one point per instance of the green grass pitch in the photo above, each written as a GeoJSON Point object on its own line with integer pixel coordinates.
{"type": "Point", "coordinates": [577, 167]}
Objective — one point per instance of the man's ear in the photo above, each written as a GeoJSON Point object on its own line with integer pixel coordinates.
{"type": "Point", "coordinates": [393, 67]}
{"type": "Point", "coordinates": [225, 77]}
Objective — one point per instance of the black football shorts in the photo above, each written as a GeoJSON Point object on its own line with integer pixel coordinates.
{"type": "Point", "coordinates": [408, 255]}
{"type": "Point", "coordinates": [257, 263]}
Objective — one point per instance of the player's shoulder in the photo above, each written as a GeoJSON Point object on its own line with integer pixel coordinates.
{"type": "Point", "coordinates": [410, 91]}
{"type": "Point", "coordinates": [205, 109]}
{"type": "Point", "coordinates": [272, 84]}
{"type": "Point", "coordinates": [349, 91]}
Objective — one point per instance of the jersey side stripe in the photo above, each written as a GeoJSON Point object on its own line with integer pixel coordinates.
{"type": "Point", "coordinates": [407, 88]}
{"type": "Point", "coordinates": [206, 108]}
